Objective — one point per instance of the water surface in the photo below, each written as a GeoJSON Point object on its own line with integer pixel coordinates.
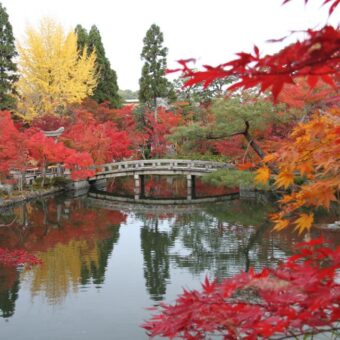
{"type": "Point", "coordinates": [104, 266]}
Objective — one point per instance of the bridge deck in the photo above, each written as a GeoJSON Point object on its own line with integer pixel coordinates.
{"type": "Point", "coordinates": [158, 166]}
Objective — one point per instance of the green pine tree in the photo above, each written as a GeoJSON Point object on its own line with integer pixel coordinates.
{"type": "Point", "coordinates": [82, 37]}
{"type": "Point", "coordinates": [107, 88]}
{"type": "Point", "coordinates": [8, 68]}
{"type": "Point", "coordinates": [153, 83]}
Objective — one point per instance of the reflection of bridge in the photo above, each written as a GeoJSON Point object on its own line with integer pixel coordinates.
{"type": "Point", "coordinates": [109, 201]}
{"type": "Point", "coordinates": [140, 168]}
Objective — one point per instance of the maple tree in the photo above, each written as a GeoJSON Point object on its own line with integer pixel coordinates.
{"type": "Point", "coordinates": [103, 141]}
{"type": "Point", "coordinates": [152, 129]}
{"type": "Point", "coordinates": [13, 148]}
{"type": "Point", "coordinates": [159, 128]}
{"type": "Point", "coordinates": [52, 73]}
{"type": "Point", "coordinates": [315, 57]}
{"type": "Point", "coordinates": [50, 122]}
{"type": "Point", "coordinates": [45, 150]}
{"type": "Point", "coordinates": [311, 154]}
{"type": "Point", "coordinates": [299, 297]}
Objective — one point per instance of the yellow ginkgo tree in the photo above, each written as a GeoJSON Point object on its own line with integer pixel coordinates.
{"type": "Point", "coordinates": [52, 72]}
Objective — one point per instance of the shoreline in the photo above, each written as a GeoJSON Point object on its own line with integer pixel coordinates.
{"type": "Point", "coordinates": [8, 202]}
{"type": "Point", "coordinates": [30, 195]}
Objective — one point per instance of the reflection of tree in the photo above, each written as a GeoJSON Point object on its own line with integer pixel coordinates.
{"type": "Point", "coordinates": [227, 238]}
{"type": "Point", "coordinates": [61, 269]}
{"type": "Point", "coordinates": [155, 247]}
{"type": "Point", "coordinates": [67, 265]}
{"type": "Point", "coordinates": [9, 287]}
{"type": "Point", "coordinates": [210, 239]}
{"type": "Point", "coordinates": [96, 270]}
{"type": "Point", "coordinates": [242, 212]}
{"type": "Point", "coordinates": [74, 242]}
{"type": "Point", "coordinates": [206, 244]}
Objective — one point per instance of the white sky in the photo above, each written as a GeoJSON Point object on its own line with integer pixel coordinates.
{"type": "Point", "coordinates": [209, 30]}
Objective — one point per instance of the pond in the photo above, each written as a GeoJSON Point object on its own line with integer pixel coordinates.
{"type": "Point", "coordinates": [103, 266]}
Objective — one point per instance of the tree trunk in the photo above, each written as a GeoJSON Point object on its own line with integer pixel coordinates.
{"type": "Point", "coordinates": [43, 172]}
{"type": "Point", "coordinates": [253, 144]}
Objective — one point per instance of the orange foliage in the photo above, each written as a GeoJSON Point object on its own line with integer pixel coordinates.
{"type": "Point", "coordinates": [312, 156]}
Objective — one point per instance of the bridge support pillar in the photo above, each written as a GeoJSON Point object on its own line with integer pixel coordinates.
{"type": "Point", "coordinates": [191, 187]}
{"type": "Point", "coordinates": [139, 186]}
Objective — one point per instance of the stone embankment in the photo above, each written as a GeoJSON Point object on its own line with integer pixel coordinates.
{"type": "Point", "coordinates": [17, 197]}
{"type": "Point", "coordinates": [26, 196]}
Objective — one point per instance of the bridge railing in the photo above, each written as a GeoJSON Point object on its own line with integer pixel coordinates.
{"type": "Point", "coordinates": [162, 164]}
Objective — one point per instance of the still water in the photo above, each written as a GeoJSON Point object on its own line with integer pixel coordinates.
{"type": "Point", "coordinates": [102, 267]}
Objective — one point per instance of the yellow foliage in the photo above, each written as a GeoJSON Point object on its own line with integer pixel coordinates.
{"type": "Point", "coordinates": [62, 267]}
{"type": "Point", "coordinates": [52, 72]}
{"type": "Point", "coordinates": [312, 151]}
{"type": "Point", "coordinates": [280, 224]}
{"type": "Point", "coordinates": [304, 222]}
{"type": "Point", "coordinates": [284, 179]}
{"type": "Point", "coordinates": [262, 175]}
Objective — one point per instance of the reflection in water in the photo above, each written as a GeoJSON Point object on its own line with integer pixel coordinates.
{"type": "Point", "coordinates": [64, 267]}
{"type": "Point", "coordinates": [155, 247]}
{"type": "Point", "coordinates": [157, 186]}
{"type": "Point", "coordinates": [95, 271]}
{"type": "Point", "coordinates": [78, 240]}
{"type": "Point", "coordinates": [9, 287]}
{"type": "Point", "coordinates": [73, 241]}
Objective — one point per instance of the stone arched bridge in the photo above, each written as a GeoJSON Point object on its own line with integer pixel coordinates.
{"type": "Point", "coordinates": [139, 168]}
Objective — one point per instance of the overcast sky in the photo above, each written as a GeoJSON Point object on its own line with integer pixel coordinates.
{"type": "Point", "coordinates": [209, 30]}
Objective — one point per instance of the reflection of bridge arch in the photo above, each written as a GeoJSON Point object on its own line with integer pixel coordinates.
{"type": "Point", "coordinates": [105, 200]}
{"type": "Point", "coordinates": [140, 168]}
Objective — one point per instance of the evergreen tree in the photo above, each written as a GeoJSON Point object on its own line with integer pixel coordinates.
{"type": "Point", "coordinates": [107, 88]}
{"type": "Point", "coordinates": [8, 68]}
{"type": "Point", "coordinates": [153, 83]}
{"type": "Point", "coordinates": [82, 37]}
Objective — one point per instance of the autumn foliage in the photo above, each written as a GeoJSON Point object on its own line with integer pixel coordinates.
{"type": "Point", "coordinates": [300, 296]}
{"type": "Point", "coordinates": [305, 162]}
{"type": "Point", "coordinates": [103, 141]}
{"type": "Point", "coordinates": [53, 73]}
{"type": "Point", "coordinates": [13, 152]}
{"type": "Point", "coordinates": [309, 155]}
{"type": "Point", "coordinates": [13, 258]}
{"type": "Point", "coordinates": [316, 57]}
{"type": "Point", "coordinates": [27, 148]}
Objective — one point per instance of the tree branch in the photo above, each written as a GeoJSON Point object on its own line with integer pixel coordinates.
{"type": "Point", "coordinates": [9, 224]}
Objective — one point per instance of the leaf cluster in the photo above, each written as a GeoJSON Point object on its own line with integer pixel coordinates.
{"type": "Point", "coordinates": [299, 297]}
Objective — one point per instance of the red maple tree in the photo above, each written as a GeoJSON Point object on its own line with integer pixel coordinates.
{"type": "Point", "coordinates": [299, 297]}
{"type": "Point", "coordinates": [103, 141]}
{"type": "Point", "coordinates": [302, 295]}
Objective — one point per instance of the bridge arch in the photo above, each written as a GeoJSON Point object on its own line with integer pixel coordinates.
{"type": "Point", "coordinates": [139, 168]}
